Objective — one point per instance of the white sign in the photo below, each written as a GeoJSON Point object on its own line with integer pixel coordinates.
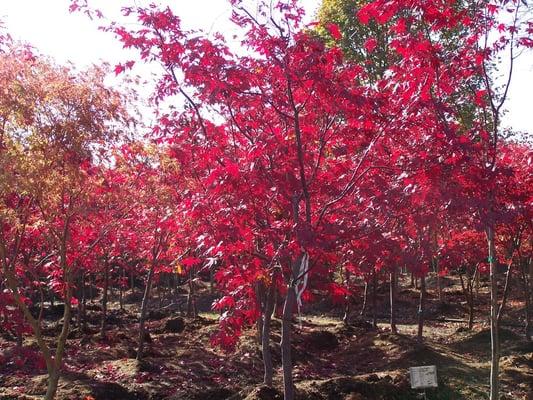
{"type": "Point", "coordinates": [423, 377]}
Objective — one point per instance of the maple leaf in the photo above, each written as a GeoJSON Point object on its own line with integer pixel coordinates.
{"type": "Point", "coordinates": [190, 261]}
{"type": "Point", "coordinates": [119, 68]}
{"type": "Point", "coordinates": [371, 44]}
{"type": "Point", "coordinates": [334, 31]}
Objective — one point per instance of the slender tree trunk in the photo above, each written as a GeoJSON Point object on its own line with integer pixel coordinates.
{"type": "Point", "coordinates": [51, 362]}
{"type": "Point", "coordinates": [468, 291]}
{"type": "Point", "coordinates": [41, 306]}
{"type": "Point", "coordinates": [494, 328]}
{"type": "Point", "coordinates": [505, 294]}
{"type": "Point", "coordinates": [477, 283]}
{"type": "Point", "coordinates": [393, 285]}
{"type": "Point", "coordinates": [53, 381]}
{"type": "Point", "coordinates": [421, 308]}
{"type": "Point", "coordinates": [211, 280]}
{"type": "Point", "coordinates": [54, 367]}
{"type": "Point", "coordinates": [275, 302]}
{"type": "Point", "coordinates": [159, 295]}
{"type": "Point", "coordinates": [81, 299]}
{"type": "Point", "coordinates": [374, 299]}
{"type": "Point", "coordinates": [261, 299]}
{"type": "Point", "coordinates": [526, 272]}
{"type": "Point", "coordinates": [439, 279]}
{"type": "Point", "coordinates": [84, 304]}
{"type": "Point", "coordinates": [191, 299]}
{"type": "Point", "coordinates": [346, 316]}
{"type": "Point", "coordinates": [471, 298]}
{"type": "Point", "coordinates": [470, 307]}
{"type": "Point", "coordinates": [365, 299]}
{"type": "Point", "coordinates": [104, 299]}
{"type": "Point", "coordinates": [168, 292]}
{"type": "Point", "coordinates": [286, 357]}
{"type": "Point", "coordinates": [144, 307]}
{"type": "Point", "coordinates": [91, 286]}
{"type": "Point", "coordinates": [175, 287]}
{"type": "Point", "coordinates": [265, 337]}
{"type": "Point", "coordinates": [121, 288]}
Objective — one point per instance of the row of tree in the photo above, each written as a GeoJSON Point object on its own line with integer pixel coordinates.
{"type": "Point", "coordinates": [317, 155]}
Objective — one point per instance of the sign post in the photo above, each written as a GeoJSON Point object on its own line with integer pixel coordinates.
{"type": "Point", "coordinates": [423, 377]}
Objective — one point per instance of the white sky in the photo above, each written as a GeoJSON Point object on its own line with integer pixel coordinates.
{"type": "Point", "coordinates": [49, 27]}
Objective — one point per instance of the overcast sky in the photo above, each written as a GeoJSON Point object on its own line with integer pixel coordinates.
{"type": "Point", "coordinates": [49, 27]}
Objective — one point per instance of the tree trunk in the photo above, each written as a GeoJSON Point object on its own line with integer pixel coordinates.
{"type": "Point", "coordinates": [104, 299]}
{"type": "Point", "coordinates": [211, 280]}
{"type": "Point", "coordinates": [159, 295]}
{"type": "Point", "coordinates": [81, 302]}
{"type": "Point", "coordinates": [346, 317]}
{"type": "Point", "coordinates": [365, 298]}
{"type": "Point", "coordinates": [191, 299]}
{"type": "Point", "coordinates": [55, 366]}
{"type": "Point", "coordinates": [275, 302]}
{"type": "Point", "coordinates": [261, 300]}
{"type": "Point", "coordinates": [468, 291]}
{"type": "Point", "coordinates": [91, 286]}
{"type": "Point", "coordinates": [421, 308]}
{"type": "Point", "coordinates": [494, 329]}
{"type": "Point", "coordinates": [53, 381]}
{"type": "Point", "coordinates": [477, 283]}
{"type": "Point", "coordinates": [53, 363]}
{"type": "Point", "coordinates": [144, 307]}
{"type": "Point", "coordinates": [121, 288]}
{"type": "Point", "coordinates": [286, 326]}
{"type": "Point", "coordinates": [393, 283]}
{"type": "Point", "coordinates": [265, 337]}
{"type": "Point", "coordinates": [470, 307]}
{"type": "Point", "coordinates": [526, 273]}
{"type": "Point", "coordinates": [439, 280]}
{"type": "Point", "coordinates": [132, 283]}
{"type": "Point", "coordinates": [62, 339]}
{"type": "Point", "coordinates": [374, 299]}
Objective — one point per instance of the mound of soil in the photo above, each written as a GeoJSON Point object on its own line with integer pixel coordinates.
{"type": "Point", "coordinates": [445, 308]}
{"type": "Point", "coordinates": [133, 298]}
{"type": "Point", "coordinates": [431, 282]}
{"type": "Point", "coordinates": [156, 315]}
{"type": "Point", "coordinates": [321, 340]}
{"type": "Point", "coordinates": [480, 341]}
{"type": "Point", "coordinates": [370, 386]}
{"type": "Point", "coordinates": [207, 394]}
{"type": "Point", "coordinates": [54, 312]}
{"type": "Point", "coordinates": [358, 325]}
{"type": "Point", "coordinates": [518, 361]}
{"type": "Point", "coordinates": [421, 355]}
{"type": "Point", "coordinates": [174, 325]}
{"type": "Point", "coordinates": [260, 393]}
{"type": "Point", "coordinates": [114, 391]}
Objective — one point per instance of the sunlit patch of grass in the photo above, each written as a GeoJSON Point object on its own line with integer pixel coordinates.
{"type": "Point", "coordinates": [321, 320]}
{"type": "Point", "coordinates": [210, 315]}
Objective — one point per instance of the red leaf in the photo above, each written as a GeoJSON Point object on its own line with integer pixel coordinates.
{"type": "Point", "coordinates": [334, 31]}
{"type": "Point", "coordinates": [371, 44]}
{"type": "Point", "coordinates": [190, 261]}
